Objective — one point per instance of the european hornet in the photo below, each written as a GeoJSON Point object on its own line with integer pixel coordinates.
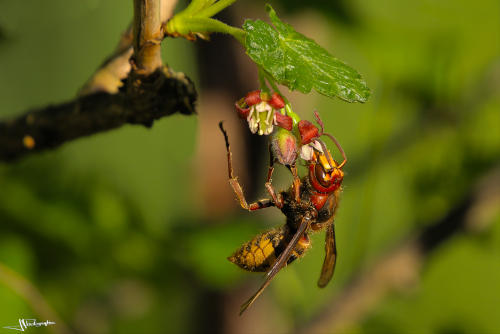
{"type": "Point", "coordinates": [309, 206]}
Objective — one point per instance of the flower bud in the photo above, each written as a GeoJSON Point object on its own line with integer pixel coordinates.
{"type": "Point", "coordinates": [308, 132]}
{"type": "Point", "coordinates": [276, 101]}
{"type": "Point", "coordinates": [283, 121]}
{"type": "Point", "coordinates": [242, 109]}
{"type": "Point", "coordinates": [253, 98]}
{"type": "Point", "coordinates": [284, 146]}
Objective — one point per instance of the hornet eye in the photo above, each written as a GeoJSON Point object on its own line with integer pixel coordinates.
{"type": "Point", "coordinates": [323, 178]}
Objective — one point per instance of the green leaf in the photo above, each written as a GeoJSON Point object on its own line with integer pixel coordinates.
{"type": "Point", "coordinates": [300, 63]}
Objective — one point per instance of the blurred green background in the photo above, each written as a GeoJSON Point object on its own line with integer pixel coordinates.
{"type": "Point", "coordinates": [118, 234]}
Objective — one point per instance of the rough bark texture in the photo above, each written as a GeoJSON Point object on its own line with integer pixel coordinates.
{"type": "Point", "coordinates": [142, 100]}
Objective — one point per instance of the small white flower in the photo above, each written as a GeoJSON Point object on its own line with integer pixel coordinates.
{"type": "Point", "coordinates": [261, 118]}
{"type": "Point", "coordinates": [306, 151]}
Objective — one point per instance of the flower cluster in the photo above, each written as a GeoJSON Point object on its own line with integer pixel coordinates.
{"type": "Point", "coordinates": [262, 111]}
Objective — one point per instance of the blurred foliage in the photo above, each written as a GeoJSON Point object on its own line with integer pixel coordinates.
{"type": "Point", "coordinates": [2, 35]}
{"type": "Point", "coordinates": [336, 9]}
{"type": "Point", "coordinates": [111, 231]}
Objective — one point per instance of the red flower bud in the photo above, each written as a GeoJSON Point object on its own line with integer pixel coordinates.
{"type": "Point", "coordinates": [307, 131]}
{"type": "Point", "coordinates": [276, 101]}
{"type": "Point", "coordinates": [284, 146]}
{"type": "Point", "coordinates": [253, 98]}
{"type": "Point", "coordinates": [283, 121]}
{"type": "Point", "coordinates": [242, 109]}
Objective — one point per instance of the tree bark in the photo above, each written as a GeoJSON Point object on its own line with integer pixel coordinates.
{"type": "Point", "coordinates": [142, 100]}
{"type": "Point", "coordinates": [116, 94]}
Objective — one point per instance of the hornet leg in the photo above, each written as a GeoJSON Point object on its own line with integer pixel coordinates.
{"type": "Point", "coordinates": [296, 182]}
{"type": "Point", "coordinates": [277, 201]}
{"type": "Point", "coordinates": [238, 190]}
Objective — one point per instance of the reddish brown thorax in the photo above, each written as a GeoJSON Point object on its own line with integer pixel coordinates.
{"type": "Point", "coordinates": [318, 200]}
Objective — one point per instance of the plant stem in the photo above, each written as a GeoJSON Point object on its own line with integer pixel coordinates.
{"type": "Point", "coordinates": [288, 107]}
{"type": "Point", "coordinates": [292, 114]}
{"type": "Point", "coordinates": [186, 25]}
{"type": "Point", "coordinates": [195, 6]}
{"type": "Point", "coordinates": [262, 81]}
{"type": "Point", "coordinates": [147, 35]}
{"type": "Point", "coordinates": [215, 8]}
{"type": "Point", "coordinates": [272, 82]}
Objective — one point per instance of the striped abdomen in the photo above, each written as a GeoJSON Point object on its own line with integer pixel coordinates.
{"type": "Point", "coordinates": [260, 253]}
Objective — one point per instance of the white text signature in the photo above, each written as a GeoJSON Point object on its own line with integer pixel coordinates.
{"type": "Point", "coordinates": [25, 323]}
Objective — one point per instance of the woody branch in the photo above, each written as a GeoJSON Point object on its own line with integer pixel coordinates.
{"type": "Point", "coordinates": [147, 36]}
{"type": "Point", "coordinates": [116, 94]}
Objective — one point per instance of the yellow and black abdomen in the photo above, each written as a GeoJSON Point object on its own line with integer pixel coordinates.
{"type": "Point", "coordinates": [260, 253]}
